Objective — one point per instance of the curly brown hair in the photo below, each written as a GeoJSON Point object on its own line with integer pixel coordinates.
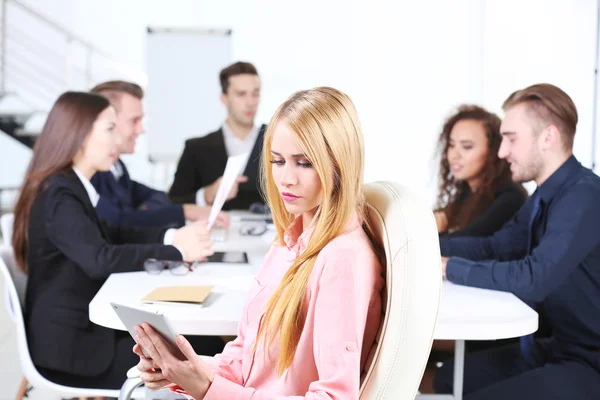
{"type": "Point", "coordinates": [451, 198]}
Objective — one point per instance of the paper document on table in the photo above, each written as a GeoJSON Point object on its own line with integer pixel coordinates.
{"type": "Point", "coordinates": [234, 168]}
{"type": "Point", "coordinates": [178, 294]}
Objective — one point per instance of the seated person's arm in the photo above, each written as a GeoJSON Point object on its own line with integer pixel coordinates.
{"type": "Point", "coordinates": [145, 197]}
{"type": "Point", "coordinates": [228, 364]}
{"type": "Point", "coordinates": [337, 342]}
{"type": "Point", "coordinates": [493, 218]}
{"type": "Point", "coordinates": [79, 238]}
{"type": "Point", "coordinates": [191, 187]}
{"type": "Point", "coordinates": [123, 234]}
{"type": "Point", "coordinates": [171, 215]}
{"type": "Point", "coordinates": [569, 238]}
{"type": "Point", "coordinates": [186, 182]}
{"type": "Point", "coordinates": [508, 243]}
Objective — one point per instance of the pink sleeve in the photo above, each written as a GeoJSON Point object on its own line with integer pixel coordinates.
{"type": "Point", "coordinates": [338, 331]}
{"type": "Point", "coordinates": [228, 364]}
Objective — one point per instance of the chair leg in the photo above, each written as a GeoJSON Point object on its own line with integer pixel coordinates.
{"type": "Point", "coordinates": [22, 389]}
{"type": "Point", "coordinates": [128, 387]}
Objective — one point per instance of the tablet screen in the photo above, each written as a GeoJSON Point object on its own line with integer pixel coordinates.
{"type": "Point", "coordinates": [236, 257]}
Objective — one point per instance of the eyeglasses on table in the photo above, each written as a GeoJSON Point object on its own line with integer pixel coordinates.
{"type": "Point", "coordinates": [155, 267]}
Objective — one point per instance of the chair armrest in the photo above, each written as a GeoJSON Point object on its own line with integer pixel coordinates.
{"type": "Point", "coordinates": [128, 387]}
{"type": "Point", "coordinates": [133, 373]}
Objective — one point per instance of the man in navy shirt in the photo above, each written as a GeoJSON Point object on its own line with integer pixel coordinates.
{"type": "Point", "coordinates": [124, 201]}
{"type": "Point", "coordinates": [548, 255]}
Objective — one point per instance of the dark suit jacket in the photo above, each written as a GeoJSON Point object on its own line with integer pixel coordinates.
{"type": "Point", "coordinates": [508, 201]}
{"type": "Point", "coordinates": [203, 161]}
{"type": "Point", "coordinates": [120, 202]}
{"type": "Point", "coordinates": [71, 254]}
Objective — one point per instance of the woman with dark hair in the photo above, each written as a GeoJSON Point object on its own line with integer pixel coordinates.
{"type": "Point", "coordinates": [68, 252]}
{"type": "Point", "coordinates": [477, 195]}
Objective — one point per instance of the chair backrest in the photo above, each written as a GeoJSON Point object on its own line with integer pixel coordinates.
{"type": "Point", "coordinates": [6, 227]}
{"type": "Point", "coordinates": [34, 378]}
{"type": "Point", "coordinates": [18, 277]}
{"type": "Point", "coordinates": [406, 228]}
{"type": "Point", "coordinates": [15, 311]}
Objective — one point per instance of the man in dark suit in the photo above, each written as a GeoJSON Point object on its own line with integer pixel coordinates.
{"type": "Point", "coordinates": [548, 255]}
{"type": "Point", "coordinates": [203, 161]}
{"type": "Point", "coordinates": [124, 201]}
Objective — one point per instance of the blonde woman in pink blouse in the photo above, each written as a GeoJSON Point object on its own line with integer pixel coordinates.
{"type": "Point", "coordinates": [311, 316]}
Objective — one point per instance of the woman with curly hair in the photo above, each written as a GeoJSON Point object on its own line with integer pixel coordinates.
{"type": "Point", "coordinates": [476, 194]}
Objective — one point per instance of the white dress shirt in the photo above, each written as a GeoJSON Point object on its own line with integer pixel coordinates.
{"type": "Point", "coordinates": [234, 146]}
{"type": "Point", "coordinates": [95, 198]}
{"type": "Point", "coordinates": [89, 188]}
{"type": "Point", "coordinates": [117, 170]}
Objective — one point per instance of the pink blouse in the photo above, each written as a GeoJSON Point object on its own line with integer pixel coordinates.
{"type": "Point", "coordinates": [343, 314]}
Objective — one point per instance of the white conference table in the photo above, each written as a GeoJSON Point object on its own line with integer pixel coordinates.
{"type": "Point", "coordinates": [221, 311]}
{"type": "Point", "coordinates": [465, 313]}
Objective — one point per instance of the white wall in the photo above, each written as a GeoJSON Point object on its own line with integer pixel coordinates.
{"type": "Point", "coordinates": [406, 64]}
{"type": "Point", "coordinates": [415, 63]}
{"type": "Point", "coordinates": [14, 158]}
{"type": "Point", "coordinates": [389, 56]}
{"type": "Point", "coordinates": [537, 41]}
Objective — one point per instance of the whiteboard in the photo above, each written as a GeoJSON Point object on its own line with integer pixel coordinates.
{"type": "Point", "coordinates": [183, 94]}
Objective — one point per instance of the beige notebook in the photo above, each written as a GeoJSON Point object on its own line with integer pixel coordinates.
{"type": "Point", "coordinates": [178, 294]}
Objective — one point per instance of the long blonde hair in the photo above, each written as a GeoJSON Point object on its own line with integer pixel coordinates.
{"type": "Point", "coordinates": [327, 129]}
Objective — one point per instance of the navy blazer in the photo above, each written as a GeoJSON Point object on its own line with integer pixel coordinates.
{"type": "Point", "coordinates": [121, 202]}
{"type": "Point", "coordinates": [71, 254]}
{"type": "Point", "coordinates": [203, 161]}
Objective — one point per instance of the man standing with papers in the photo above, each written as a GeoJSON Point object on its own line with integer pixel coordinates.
{"type": "Point", "coordinates": [202, 164]}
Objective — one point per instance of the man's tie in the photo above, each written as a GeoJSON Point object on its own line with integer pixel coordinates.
{"type": "Point", "coordinates": [527, 341]}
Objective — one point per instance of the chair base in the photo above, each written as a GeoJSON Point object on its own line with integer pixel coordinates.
{"type": "Point", "coordinates": [128, 388]}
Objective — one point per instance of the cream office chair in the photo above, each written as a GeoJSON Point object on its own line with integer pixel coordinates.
{"type": "Point", "coordinates": [50, 390]}
{"type": "Point", "coordinates": [413, 273]}
{"type": "Point", "coordinates": [407, 231]}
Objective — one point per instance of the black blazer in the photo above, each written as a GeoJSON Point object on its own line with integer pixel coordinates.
{"type": "Point", "coordinates": [71, 254]}
{"type": "Point", "coordinates": [203, 161]}
{"type": "Point", "coordinates": [507, 202]}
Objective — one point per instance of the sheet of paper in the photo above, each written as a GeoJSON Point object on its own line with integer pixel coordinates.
{"type": "Point", "coordinates": [234, 168]}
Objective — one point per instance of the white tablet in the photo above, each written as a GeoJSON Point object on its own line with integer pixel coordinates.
{"type": "Point", "coordinates": [131, 317]}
